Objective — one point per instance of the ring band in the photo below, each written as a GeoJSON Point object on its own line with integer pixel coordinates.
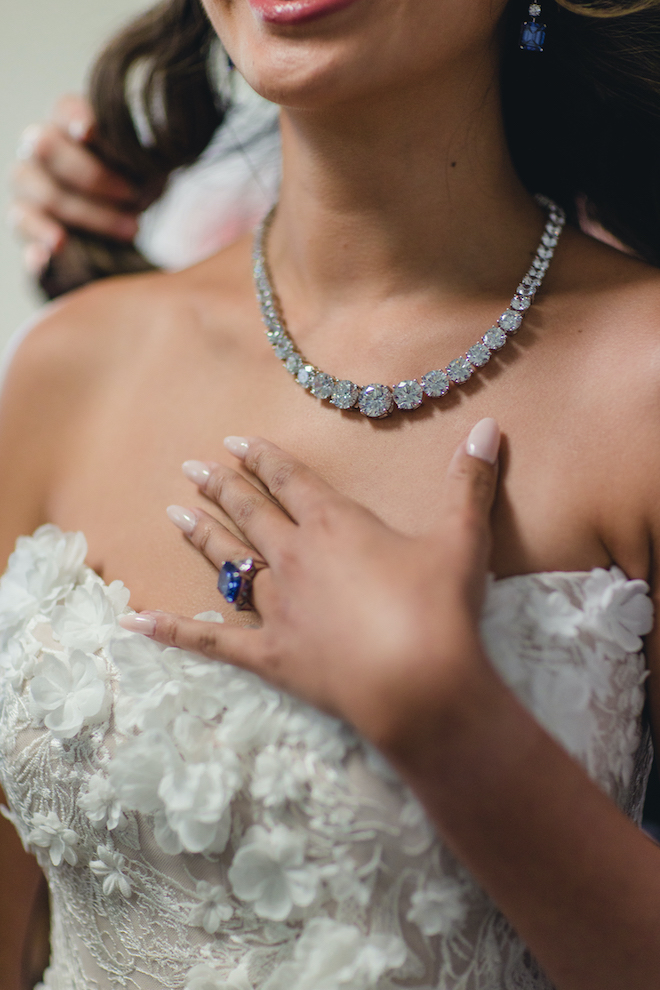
{"type": "Point", "coordinates": [235, 581]}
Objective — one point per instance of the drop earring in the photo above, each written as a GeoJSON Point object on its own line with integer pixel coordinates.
{"type": "Point", "coordinates": [532, 33]}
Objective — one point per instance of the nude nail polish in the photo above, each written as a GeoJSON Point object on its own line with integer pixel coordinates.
{"type": "Point", "coordinates": [183, 518]}
{"type": "Point", "coordinates": [144, 624]}
{"type": "Point", "coordinates": [238, 446]}
{"type": "Point", "coordinates": [484, 440]}
{"type": "Point", "coordinates": [196, 471]}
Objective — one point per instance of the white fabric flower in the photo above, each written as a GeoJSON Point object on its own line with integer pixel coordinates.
{"type": "Point", "coordinates": [48, 832]}
{"type": "Point", "coordinates": [345, 880]}
{"type": "Point", "coordinates": [196, 797]}
{"type": "Point", "coordinates": [190, 800]}
{"type": "Point", "coordinates": [86, 619]}
{"type": "Point", "coordinates": [438, 908]}
{"type": "Point", "coordinates": [254, 712]}
{"type": "Point", "coordinates": [280, 775]}
{"type": "Point", "coordinates": [101, 804]}
{"type": "Point", "coordinates": [67, 692]}
{"type": "Point", "coordinates": [110, 867]}
{"type": "Point", "coordinates": [205, 977]}
{"type": "Point", "coordinates": [214, 908]}
{"type": "Point", "coordinates": [270, 870]}
{"type": "Point", "coordinates": [334, 956]}
{"type": "Point", "coordinates": [617, 609]}
{"type": "Point", "coordinates": [18, 660]}
{"type": "Point", "coordinates": [40, 570]}
{"type": "Point", "coordinates": [138, 767]}
{"type": "Point", "coordinates": [553, 613]}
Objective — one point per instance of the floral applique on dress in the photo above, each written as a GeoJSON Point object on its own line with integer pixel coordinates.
{"type": "Point", "coordinates": [201, 830]}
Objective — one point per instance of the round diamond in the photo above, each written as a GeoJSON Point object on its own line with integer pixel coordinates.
{"type": "Point", "coordinates": [527, 287]}
{"type": "Point", "coordinates": [283, 348]}
{"type": "Point", "coordinates": [549, 240]}
{"type": "Point", "coordinates": [322, 385]}
{"type": "Point", "coordinates": [229, 581]}
{"type": "Point", "coordinates": [344, 394]}
{"type": "Point", "coordinates": [534, 9]}
{"type": "Point", "coordinates": [478, 355]}
{"type": "Point", "coordinates": [305, 375]}
{"type": "Point", "coordinates": [408, 394]}
{"type": "Point", "coordinates": [510, 320]}
{"type": "Point", "coordinates": [435, 384]}
{"type": "Point", "coordinates": [293, 363]}
{"type": "Point", "coordinates": [459, 370]}
{"type": "Point", "coordinates": [521, 303]}
{"type": "Point", "coordinates": [494, 338]}
{"type": "Point", "coordinates": [375, 401]}
{"type": "Point", "coordinates": [545, 252]}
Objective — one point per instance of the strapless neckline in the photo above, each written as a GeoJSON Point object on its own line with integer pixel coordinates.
{"type": "Point", "coordinates": [201, 830]}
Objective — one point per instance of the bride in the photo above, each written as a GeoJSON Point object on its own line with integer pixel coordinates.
{"type": "Point", "coordinates": [201, 829]}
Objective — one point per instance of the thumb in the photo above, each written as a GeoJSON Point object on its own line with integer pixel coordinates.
{"type": "Point", "coordinates": [470, 491]}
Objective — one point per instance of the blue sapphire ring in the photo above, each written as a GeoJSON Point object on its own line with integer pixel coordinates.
{"type": "Point", "coordinates": [235, 581]}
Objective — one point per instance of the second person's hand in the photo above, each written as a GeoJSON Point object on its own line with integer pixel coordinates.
{"type": "Point", "coordinates": [60, 183]}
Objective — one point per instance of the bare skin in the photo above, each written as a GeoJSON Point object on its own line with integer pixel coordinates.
{"type": "Point", "coordinates": [401, 235]}
{"type": "Point", "coordinates": [58, 182]}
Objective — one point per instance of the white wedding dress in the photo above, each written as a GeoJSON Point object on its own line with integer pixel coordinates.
{"type": "Point", "coordinates": [202, 831]}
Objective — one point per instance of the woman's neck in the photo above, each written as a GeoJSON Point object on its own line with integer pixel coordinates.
{"type": "Point", "coordinates": [410, 194]}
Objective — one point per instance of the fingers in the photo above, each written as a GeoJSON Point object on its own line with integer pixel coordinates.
{"type": "Point", "coordinates": [36, 187]}
{"type": "Point", "coordinates": [75, 166]}
{"type": "Point", "coordinates": [37, 227]}
{"type": "Point", "coordinates": [295, 486]}
{"type": "Point", "coordinates": [263, 523]}
{"type": "Point", "coordinates": [217, 641]}
{"type": "Point", "coordinates": [208, 535]}
{"type": "Point", "coordinates": [59, 182]}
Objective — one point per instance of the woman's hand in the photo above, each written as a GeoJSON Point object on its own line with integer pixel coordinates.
{"type": "Point", "coordinates": [357, 619]}
{"type": "Point", "coordinates": [60, 183]}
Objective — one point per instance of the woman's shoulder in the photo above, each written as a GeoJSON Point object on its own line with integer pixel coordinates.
{"type": "Point", "coordinates": [89, 335]}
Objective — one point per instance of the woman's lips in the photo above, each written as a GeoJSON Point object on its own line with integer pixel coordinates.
{"type": "Point", "coordinates": [296, 11]}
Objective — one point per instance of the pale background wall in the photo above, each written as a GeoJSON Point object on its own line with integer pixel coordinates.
{"type": "Point", "coordinates": [45, 49]}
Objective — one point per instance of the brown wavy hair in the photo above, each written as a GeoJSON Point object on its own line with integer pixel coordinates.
{"type": "Point", "coordinates": [582, 118]}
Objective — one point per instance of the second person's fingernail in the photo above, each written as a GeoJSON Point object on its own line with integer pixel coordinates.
{"type": "Point", "coordinates": [238, 446]}
{"type": "Point", "coordinates": [484, 440]}
{"type": "Point", "coordinates": [79, 129]}
{"type": "Point", "coordinates": [183, 518]}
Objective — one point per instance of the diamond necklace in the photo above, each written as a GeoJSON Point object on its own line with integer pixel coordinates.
{"type": "Point", "coordinates": [377, 401]}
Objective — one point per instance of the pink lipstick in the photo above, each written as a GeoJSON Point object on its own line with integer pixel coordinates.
{"type": "Point", "coordinates": [296, 11]}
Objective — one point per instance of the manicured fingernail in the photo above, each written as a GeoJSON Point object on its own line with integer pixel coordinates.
{"type": "Point", "coordinates": [145, 624]}
{"type": "Point", "coordinates": [28, 141]}
{"type": "Point", "coordinates": [484, 440]}
{"type": "Point", "coordinates": [183, 518]}
{"type": "Point", "coordinates": [238, 446]}
{"type": "Point", "coordinates": [196, 471]}
{"type": "Point", "coordinates": [79, 129]}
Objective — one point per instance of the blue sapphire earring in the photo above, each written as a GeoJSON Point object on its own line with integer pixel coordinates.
{"type": "Point", "coordinates": [532, 33]}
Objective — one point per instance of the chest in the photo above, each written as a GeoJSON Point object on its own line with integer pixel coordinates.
{"type": "Point", "coordinates": [123, 466]}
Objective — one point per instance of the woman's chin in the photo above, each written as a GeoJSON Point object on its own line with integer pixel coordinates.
{"type": "Point", "coordinates": [305, 83]}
